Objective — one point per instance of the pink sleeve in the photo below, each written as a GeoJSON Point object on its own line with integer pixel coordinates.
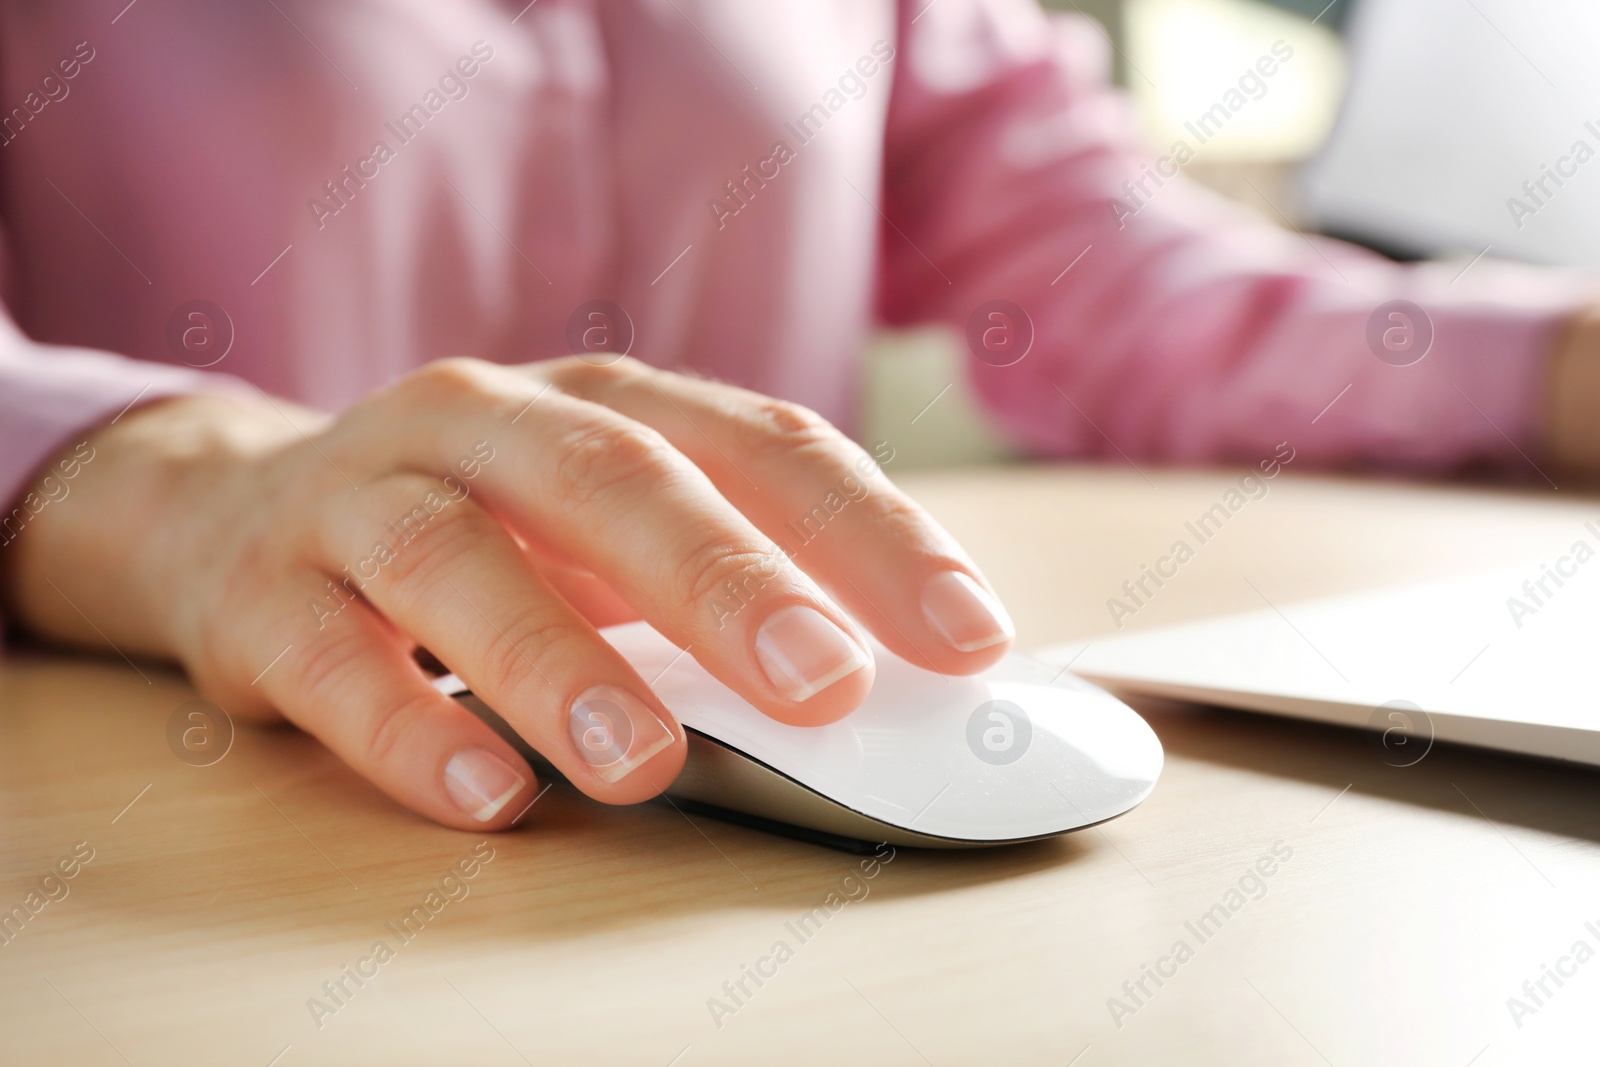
{"type": "Point", "coordinates": [51, 395]}
{"type": "Point", "coordinates": [1186, 328]}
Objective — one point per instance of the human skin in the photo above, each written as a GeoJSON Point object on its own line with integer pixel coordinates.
{"type": "Point", "coordinates": [208, 530]}
{"type": "Point", "coordinates": [1572, 432]}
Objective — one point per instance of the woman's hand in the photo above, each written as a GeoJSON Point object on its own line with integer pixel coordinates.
{"type": "Point", "coordinates": [495, 515]}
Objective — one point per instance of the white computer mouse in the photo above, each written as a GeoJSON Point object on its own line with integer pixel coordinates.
{"type": "Point", "coordinates": [1019, 752]}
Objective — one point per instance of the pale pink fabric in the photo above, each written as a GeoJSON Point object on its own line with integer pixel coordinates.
{"type": "Point", "coordinates": [586, 160]}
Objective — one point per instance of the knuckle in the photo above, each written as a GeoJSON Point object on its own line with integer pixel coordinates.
{"type": "Point", "coordinates": [902, 520]}
{"type": "Point", "coordinates": [719, 567]}
{"type": "Point", "coordinates": [321, 667]}
{"type": "Point", "coordinates": [385, 730]}
{"type": "Point", "coordinates": [785, 426]}
{"type": "Point", "coordinates": [444, 380]}
{"type": "Point", "coordinates": [603, 454]}
{"type": "Point", "coordinates": [431, 543]}
{"type": "Point", "coordinates": [888, 516]}
{"type": "Point", "coordinates": [519, 653]}
{"type": "Point", "coordinates": [453, 372]}
{"type": "Point", "coordinates": [583, 377]}
{"type": "Point", "coordinates": [410, 529]}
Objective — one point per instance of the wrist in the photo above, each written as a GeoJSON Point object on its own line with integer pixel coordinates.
{"type": "Point", "coordinates": [105, 561]}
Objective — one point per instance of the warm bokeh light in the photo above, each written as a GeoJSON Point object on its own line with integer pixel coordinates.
{"type": "Point", "coordinates": [1188, 56]}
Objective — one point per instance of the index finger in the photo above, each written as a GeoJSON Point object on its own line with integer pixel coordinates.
{"type": "Point", "coordinates": [828, 503]}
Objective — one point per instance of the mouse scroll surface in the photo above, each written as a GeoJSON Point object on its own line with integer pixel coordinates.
{"type": "Point", "coordinates": [1020, 751]}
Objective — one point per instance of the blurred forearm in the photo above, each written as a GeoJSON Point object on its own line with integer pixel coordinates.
{"type": "Point", "coordinates": [1572, 405]}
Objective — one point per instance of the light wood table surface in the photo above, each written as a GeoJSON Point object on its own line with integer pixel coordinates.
{"type": "Point", "coordinates": [220, 899]}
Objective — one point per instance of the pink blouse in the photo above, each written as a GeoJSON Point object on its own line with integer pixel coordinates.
{"type": "Point", "coordinates": [316, 196]}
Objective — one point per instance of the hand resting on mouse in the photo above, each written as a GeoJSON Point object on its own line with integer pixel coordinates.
{"type": "Point", "coordinates": [293, 562]}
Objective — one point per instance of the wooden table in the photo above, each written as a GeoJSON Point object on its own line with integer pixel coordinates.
{"type": "Point", "coordinates": [1414, 902]}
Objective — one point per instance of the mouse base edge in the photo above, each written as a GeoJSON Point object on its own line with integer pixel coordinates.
{"type": "Point", "coordinates": [744, 791]}
{"type": "Point", "coordinates": [854, 846]}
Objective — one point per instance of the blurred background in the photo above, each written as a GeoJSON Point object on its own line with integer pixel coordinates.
{"type": "Point", "coordinates": [1174, 58]}
{"type": "Point", "coordinates": [1420, 128]}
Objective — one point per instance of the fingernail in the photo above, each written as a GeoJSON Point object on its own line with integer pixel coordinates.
{"type": "Point", "coordinates": [803, 652]}
{"type": "Point", "coordinates": [964, 613]}
{"type": "Point", "coordinates": [481, 783]}
{"type": "Point", "coordinates": [614, 731]}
